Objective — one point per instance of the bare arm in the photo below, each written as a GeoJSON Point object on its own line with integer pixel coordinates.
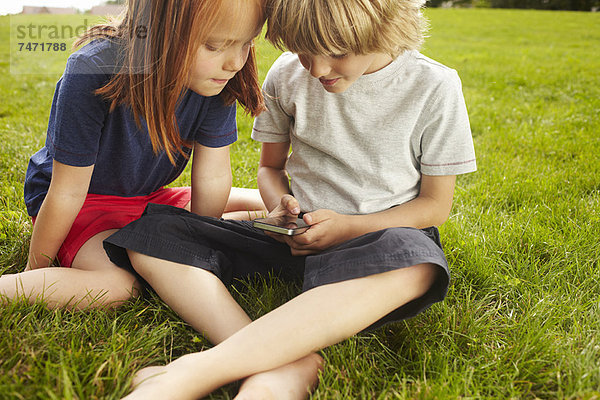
{"type": "Point", "coordinates": [273, 181]}
{"type": "Point", "coordinates": [430, 208]}
{"type": "Point", "coordinates": [211, 180]}
{"type": "Point", "coordinates": [66, 195]}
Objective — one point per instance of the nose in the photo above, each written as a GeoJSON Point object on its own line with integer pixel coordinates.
{"type": "Point", "coordinates": [319, 67]}
{"type": "Point", "coordinates": [236, 58]}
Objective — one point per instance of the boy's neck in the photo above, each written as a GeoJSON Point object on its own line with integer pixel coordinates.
{"type": "Point", "coordinates": [381, 61]}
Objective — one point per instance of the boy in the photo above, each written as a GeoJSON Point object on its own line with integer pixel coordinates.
{"type": "Point", "coordinates": [378, 133]}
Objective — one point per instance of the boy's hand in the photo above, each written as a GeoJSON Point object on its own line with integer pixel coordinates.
{"type": "Point", "coordinates": [287, 206]}
{"type": "Point", "coordinates": [328, 229]}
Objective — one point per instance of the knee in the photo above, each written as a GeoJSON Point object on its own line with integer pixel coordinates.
{"type": "Point", "coordinates": [316, 360]}
{"type": "Point", "coordinates": [110, 291]}
{"type": "Point", "coordinates": [424, 276]}
{"type": "Point", "coordinates": [122, 286]}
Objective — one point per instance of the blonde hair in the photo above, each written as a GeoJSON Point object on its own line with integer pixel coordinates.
{"type": "Point", "coordinates": [340, 26]}
{"type": "Point", "coordinates": [159, 40]}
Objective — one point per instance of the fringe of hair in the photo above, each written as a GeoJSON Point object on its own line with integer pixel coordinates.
{"type": "Point", "coordinates": [340, 26]}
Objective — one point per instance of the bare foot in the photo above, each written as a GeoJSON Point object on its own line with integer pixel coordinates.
{"type": "Point", "coordinates": [175, 381]}
{"type": "Point", "coordinates": [291, 382]}
{"type": "Point", "coordinates": [146, 374]}
{"type": "Point", "coordinates": [148, 383]}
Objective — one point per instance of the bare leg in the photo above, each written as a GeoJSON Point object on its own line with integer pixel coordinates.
{"type": "Point", "coordinates": [244, 204]}
{"type": "Point", "coordinates": [202, 300]}
{"type": "Point", "coordinates": [305, 324]}
{"type": "Point", "coordinates": [292, 381]}
{"type": "Point", "coordinates": [93, 281]}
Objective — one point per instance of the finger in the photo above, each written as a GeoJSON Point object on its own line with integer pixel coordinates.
{"type": "Point", "coordinates": [297, 243]}
{"type": "Point", "coordinates": [303, 239]}
{"type": "Point", "coordinates": [288, 240]}
{"type": "Point", "coordinates": [316, 217]}
{"type": "Point", "coordinates": [304, 252]}
{"type": "Point", "coordinates": [291, 204]}
{"type": "Point", "coordinates": [308, 218]}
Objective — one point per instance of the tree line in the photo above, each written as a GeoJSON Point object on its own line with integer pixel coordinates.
{"type": "Point", "coordinates": [571, 5]}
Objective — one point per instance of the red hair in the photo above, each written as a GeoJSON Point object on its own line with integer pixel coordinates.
{"type": "Point", "coordinates": [159, 40]}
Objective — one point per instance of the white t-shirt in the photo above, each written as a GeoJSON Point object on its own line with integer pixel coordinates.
{"type": "Point", "coordinates": [364, 150]}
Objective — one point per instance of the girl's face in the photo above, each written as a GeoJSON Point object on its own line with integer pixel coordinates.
{"type": "Point", "coordinates": [337, 73]}
{"type": "Point", "coordinates": [226, 50]}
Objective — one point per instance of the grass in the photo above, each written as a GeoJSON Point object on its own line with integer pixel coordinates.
{"type": "Point", "coordinates": [522, 317]}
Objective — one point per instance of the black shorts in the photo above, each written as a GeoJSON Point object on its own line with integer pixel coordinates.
{"type": "Point", "coordinates": [236, 250]}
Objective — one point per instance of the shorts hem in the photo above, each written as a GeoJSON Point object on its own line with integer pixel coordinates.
{"type": "Point", "coordinates": [153, 246]}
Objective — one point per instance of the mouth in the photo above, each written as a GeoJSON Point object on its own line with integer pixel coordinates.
{"type": "Point", "coordinates": [220, 81]}
{"type": "Point", "coordinates": [328, 82]}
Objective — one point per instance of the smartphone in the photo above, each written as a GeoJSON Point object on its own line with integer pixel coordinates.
{"type": "Point", "coordinates": [284, 225]}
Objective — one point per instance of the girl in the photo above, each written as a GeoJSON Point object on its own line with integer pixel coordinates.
{"type": "Point", "coordinates": [130, 109]}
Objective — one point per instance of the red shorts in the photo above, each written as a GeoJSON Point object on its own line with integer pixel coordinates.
{"type": "Point", "coordinates": [101, 213]}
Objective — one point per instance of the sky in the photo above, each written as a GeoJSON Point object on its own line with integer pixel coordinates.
{"type": "Point", "coordinates": [16, 6]}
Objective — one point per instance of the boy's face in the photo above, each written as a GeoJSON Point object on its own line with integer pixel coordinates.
{"type": "Point", "coordinates": [337, 73]}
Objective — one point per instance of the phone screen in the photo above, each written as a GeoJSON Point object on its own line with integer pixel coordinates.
{"type": "Point", "coordinates": [283, 225]}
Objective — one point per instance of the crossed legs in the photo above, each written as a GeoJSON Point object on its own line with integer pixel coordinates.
{"type": "Point", "coordinates": [202, 300]}
{"type": "Point", "coordinates": [284, 339]}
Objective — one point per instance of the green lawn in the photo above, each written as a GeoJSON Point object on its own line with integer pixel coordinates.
{"type": "Point", "coordinates": [522, 318]}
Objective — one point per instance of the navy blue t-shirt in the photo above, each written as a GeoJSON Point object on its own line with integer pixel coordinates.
{"type": "Point", "coordinates": [82, 132]}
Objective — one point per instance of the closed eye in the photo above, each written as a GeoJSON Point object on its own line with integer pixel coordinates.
{"type": "Point", "coordinates": [213, 48]}
{"type": "Point", "coordinates": [339, 56]}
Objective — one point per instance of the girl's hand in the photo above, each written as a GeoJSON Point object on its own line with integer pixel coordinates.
{"type": "Point", "coordinates": [66, 195]}
{"type": "Point", "coordinates": [328, 229]}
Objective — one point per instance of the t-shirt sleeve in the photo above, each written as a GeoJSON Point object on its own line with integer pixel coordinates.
{"type": "Point", "coordinates": [446, 143]}
{"type": "Point", "coordinates": [77, 114]}
{"type": "Point", "coordinates": [273, 125]}
{"type": "Point", "coordinates": [219, 127]}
